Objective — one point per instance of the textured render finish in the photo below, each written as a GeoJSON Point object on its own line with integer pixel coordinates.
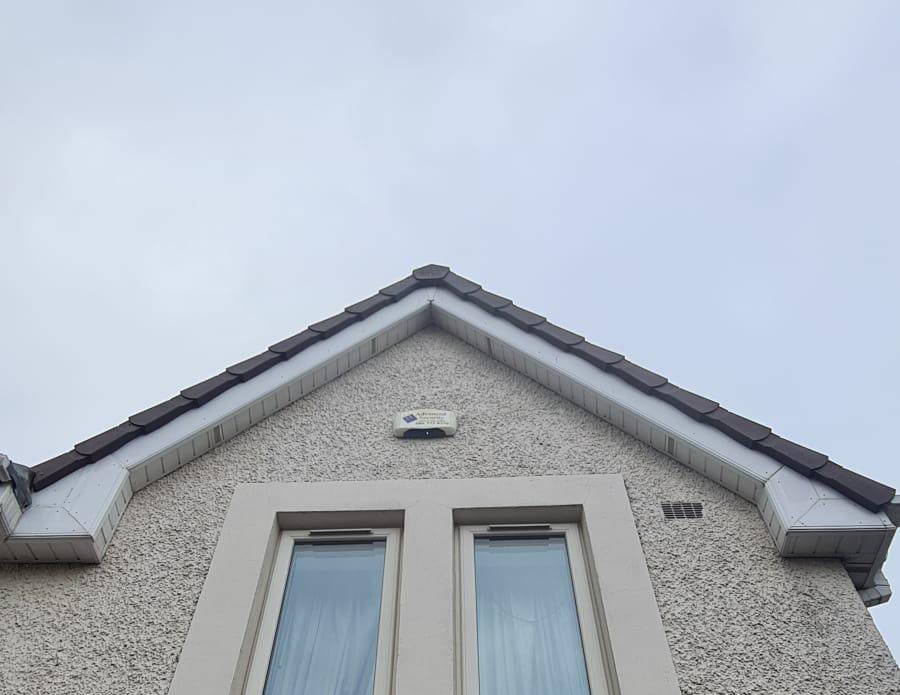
{"type": "Point", "coordinates": [739, 618]}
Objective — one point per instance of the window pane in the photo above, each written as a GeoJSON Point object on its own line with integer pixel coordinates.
{"type": "Point", "coordinates": [529, 641]}
{"type": "Point", "coordinates": [328, 628]}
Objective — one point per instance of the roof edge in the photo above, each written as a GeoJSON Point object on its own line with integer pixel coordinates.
{"type": "Point", "coordinates": [864, 491]}
{"type": "Point", "coordinates": [747, 471]}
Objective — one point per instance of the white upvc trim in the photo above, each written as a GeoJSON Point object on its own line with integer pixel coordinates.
{"type": "Point", "coordinates": [599, 678]}
{"type": "Point", "coordinates": [264, 642]}
{"type": "Point", "coordinates": [10, 511]}
{"type": "Point", "coordinates": [804, 517]}
{"type": "Point", "coordinates": [73, 520]}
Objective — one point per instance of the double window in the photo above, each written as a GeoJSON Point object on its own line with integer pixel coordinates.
{"type": "Point", "coordinates": [527, 619]}
{"type": "Point", "coordinates": [516, 586]}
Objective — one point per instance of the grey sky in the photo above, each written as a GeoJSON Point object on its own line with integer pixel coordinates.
{"type": "Point", "coordinates": [710, 188]}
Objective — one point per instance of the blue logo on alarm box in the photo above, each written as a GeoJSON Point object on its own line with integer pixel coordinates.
{"type": "Point", "coordinates": [410, 418]}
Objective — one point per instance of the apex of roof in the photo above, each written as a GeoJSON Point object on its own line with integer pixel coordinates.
{"type": "Point", "coordinates": [868, 493]}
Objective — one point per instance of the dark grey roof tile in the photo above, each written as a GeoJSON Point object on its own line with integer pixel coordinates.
{"type": "Point", "coordinates": [430, 274]}
{"type": "Point", "coordinates": [401, 288]}
{"type": "Point", "coordinates": [864, 491]}
{"type": "Point", "coordinates": [296, 343]}
{"type": "Point", "coordinates": [557, 336]}
{"type": "Point", "coordinates": [369, 306]}
{"type": "Point", "coordinates": [738, 428]}
{"type": "Point", "coordinates": [256, 365]}
{"type": "Point", "coordinates": [637, 376]}
{"type": "Point", "coordinates": [332, 325]}
{"type": "Point", "coordinates": [48, 472]}
{"type": "Point", "coordinates": [459, 285]}
{"type": "Point", "coordinates": [205, 391]}
{"type": "Point", "coordinates": [162, 413]}
{"type": "Point", "coordinates": [488, 300]}
{"type": "Point", "coordinates": [793, 455]}
{"type": "Point", "coordinates": [751, 434]}
{"type": "Point", "coordinates": [107, 442]}
{"type": "Point", "coordinates": [520, 317]}
{"type": "Point", "coordinates": [596, 355]}
{"type": "Point", "coordinates": [688, 403]}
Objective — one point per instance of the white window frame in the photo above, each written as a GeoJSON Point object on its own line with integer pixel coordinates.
{"type": "Point", "coordinates": [275, 596]}
{"type": "Point", "coordinates": [216, 656]}
{"type": "Point", "coordinates": [584, 605]}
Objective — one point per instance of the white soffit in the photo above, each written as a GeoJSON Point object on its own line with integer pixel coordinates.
{"type": "Point", "coordinates": [73, 519]}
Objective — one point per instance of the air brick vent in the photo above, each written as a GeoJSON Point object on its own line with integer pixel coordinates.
{"type": "Point", "coordinates": [682, 510]}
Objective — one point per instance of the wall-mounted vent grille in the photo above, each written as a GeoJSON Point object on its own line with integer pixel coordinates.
{"type": "Point", "coordinates": [682, 510]}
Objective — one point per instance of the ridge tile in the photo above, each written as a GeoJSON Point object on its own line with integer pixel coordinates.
{"type": "Point", "coordinates": [328, 327]}
{"type": "Point", "coordinates": [57, 468]}
{"type": "Point", "coordinates": [637, 376]}
{"type": "Point", "coordinates": [205, 391]}
{"type": "Point", "coordinates": [369, 306]}
{"type": "Point", "coordinates": [596, 355]}
{"type": "Point", "coordinates": [556, 335]}
{"type": "Point", "coordinates": [401, 288]}
{"type": "Point", "coordinates": [158, 415]}
{"type": "Point", "coordinates": [107, 442]}
{"type": "Point", "coordinates": [430, 274]}
{"type": "Point", "coordinates": [864, 491]}
{"type": "Point", "coordinates": [488, 300]}
{"type": "Point", "coordinates": [524, 319]}
{"type": "Point", "coordinates": [738, 428]}
{"type": "Point", "coordinates": [296, 343]}
{"type": "Point", "coordinates": [792, 455]}
{"type": "Point", "coordinates": [687, 402]}
{"type": "Point", "coordinates": [256, 365]}
{"type": "Point", "coordinates": [459, 285]}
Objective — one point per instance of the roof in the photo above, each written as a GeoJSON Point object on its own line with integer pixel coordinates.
{"type": "Point", "coordinates": [67, 509]}
{"type": "Point", "coordinates": [866, 492]}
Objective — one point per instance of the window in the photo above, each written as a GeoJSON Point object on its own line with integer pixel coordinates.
{"type": "Point", "coordinates": [528, 623]}
{"type": "Point", "coordinates": [300, 600]}
{"type": "Point", "coordinates": [327, 624]}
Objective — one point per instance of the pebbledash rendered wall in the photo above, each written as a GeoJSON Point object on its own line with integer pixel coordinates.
{"type": "Point", "coordinates": [739, 619]}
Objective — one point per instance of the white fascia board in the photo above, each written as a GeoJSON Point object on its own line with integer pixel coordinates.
{"type": "Point", "coordinates": [239, 397]}
{"type": "Point", "coordinates": [10, 511]}
{"type": "Point", "coordinates": [806, 503]}
{"type": "Point", "coordinates": [87, 504]}
{"type": "Point", "coordinates": [84, 496]}
{"type": "Point", "coordinates": [793, 503]}
{"type": "Point", "coordinates": [752, 463]}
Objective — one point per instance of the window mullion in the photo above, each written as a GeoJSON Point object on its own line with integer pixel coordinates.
{"type": "Point", "coordinates": [425, 657]}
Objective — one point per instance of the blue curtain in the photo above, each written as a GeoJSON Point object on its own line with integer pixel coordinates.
{"type": "Point", "coordinates": [529, 641]}
{"type": "Point", "coordinates": [327, 632]}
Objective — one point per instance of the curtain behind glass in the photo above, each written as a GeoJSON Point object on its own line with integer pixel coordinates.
{"type": "Point", "coordinates": [328, 628]}
{"type": "Point", "coordinates": [529, 641]}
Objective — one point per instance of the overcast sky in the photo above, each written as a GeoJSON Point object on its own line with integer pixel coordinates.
{"type": "Point", "coordinates": [710, 188]}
